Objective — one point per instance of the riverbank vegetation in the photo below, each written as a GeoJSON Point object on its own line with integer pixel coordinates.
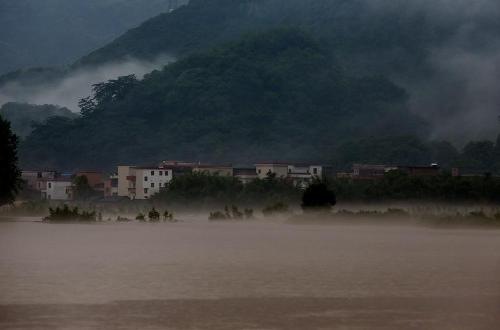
{"type": "Point", "coordinates": [67, 214]}
{"type": "Point", "coordinates": [430, 216]}
{"type": "Point", "coordinates": [199, 190]}
{"type": "Point", "coordinates": [399, 186]}
{"type": "Point", "coordinates": [231, 213]}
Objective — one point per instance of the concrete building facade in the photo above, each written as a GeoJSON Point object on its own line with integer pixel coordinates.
{"type": "Point", "coordinates": [265, 169]}
{"type": "Point", "coordinates": [222, 170]}
{"type": "Point", "coordinates": [58, 190]}
{"type": "Point", "coordinates": [142, 182]}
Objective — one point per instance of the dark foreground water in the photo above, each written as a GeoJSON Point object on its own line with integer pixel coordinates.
{"type": "Point", "coordinates": [197, 275]}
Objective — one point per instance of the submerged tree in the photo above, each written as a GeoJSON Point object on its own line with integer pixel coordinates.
{"type": "Point", "coordinates": [10, 175]}
{"type": "Point", "coordinates": [318, 196]}
{"type": "Point", "coordinates": [82, 189]}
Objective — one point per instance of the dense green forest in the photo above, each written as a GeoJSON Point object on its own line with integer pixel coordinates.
{"type": "Point", "coordinates": [389, 37]}
{"type": "Point", "coordinates": [57, 32]}
{"type": "Point", "coordinates": [239, 105]}
{"type": "Point", "coordinates": [22, 116]}
{"type": "Point", "coordinates": [274, 93]}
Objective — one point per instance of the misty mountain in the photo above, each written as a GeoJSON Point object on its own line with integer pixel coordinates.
{"type": "Point", "coordinates": [57, 32]}
{"type": "Point", "coordinates": [443, 52]}
{"type": "Point", "coordinates": [274, 93]}
{"type": "Point", "coordinates": [22, 117]}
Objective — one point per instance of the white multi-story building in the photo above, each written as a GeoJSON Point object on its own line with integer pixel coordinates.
{"type": "Point", "coordinates": [142, 182]}
{"type": "Point", "coordinates": [265, 169]}
{"type": "Point", "coordinates": [58, 189]}
{"type": "Point", "coordinates": [302, 175]}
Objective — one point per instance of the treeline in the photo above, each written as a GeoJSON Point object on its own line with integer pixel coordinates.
{"type": "Point", "coordinates": [399, 186]}
{"type": "Point", "coordinates": [201, 189]}
{"type": "Point", "coordinates": [279, 92]}
{"type": "Point", "coordinates": [476, 156]}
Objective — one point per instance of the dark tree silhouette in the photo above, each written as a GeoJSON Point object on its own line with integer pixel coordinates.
{"type": "Point", "coordinates": [10, 175]}
{"type": "Point", "coordinates": [318, 196]}
{"type": "Point", "coordinates": [82, 189]}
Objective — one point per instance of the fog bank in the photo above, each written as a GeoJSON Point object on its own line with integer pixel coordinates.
{"type": "Point", "coordinates": [78, 84]}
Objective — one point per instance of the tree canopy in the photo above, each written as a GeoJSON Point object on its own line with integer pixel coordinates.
{"type": "Point", "coordinates": [276, 92]}
{"type": "Point", "coordinates": [10, 176]}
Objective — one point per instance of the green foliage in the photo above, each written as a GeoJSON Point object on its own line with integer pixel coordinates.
{"type": "Point", "coordinates": [391, 213]}
{"type": "Point", "coordinates": [168, 216]}
{"type": "Point", "coordinates": [473, 218]}
{"type": "Point", "coordinates": [196, 189]}
{"type": "Point", "coordinates": [271, 189]}
{"type": "Point", "coordinates": [318, 196]}
{"type": "Point", "coordinates": [140, 217]}
{"type": "Point", "coordinates": [217, 216]}
{"type": "Point", "coordinates": [394, 38]}
{"type": "Point", "coordinates": [275, 209]}
{"type": "Point", "coordinates": [400, 186]}
{"type": "Point", "coordinates": [23, 116]}
{"type": "Point", "coordinates": [276, 92]}
{"type": "Point", "coordinates": [106, 93]}
{"type": "Point", "coordinates": [154, 215]}
{"type": "Point", "coordinates": [81, 188]}
{"type": "Point", "coordinates": [200, 187]}
{"type": "Point", "coordinates": [67, 214]}
{"type": "Point", "coordinates": [10, 175]}
{"type": "Point", "coordinates": [232, 213]}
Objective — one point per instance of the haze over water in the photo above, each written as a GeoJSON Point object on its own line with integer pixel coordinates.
{"type": "Point", "coordinates": [200, 275]}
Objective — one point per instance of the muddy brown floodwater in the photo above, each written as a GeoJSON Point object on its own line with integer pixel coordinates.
{"type": "Point", "coordinates": [200, 275]}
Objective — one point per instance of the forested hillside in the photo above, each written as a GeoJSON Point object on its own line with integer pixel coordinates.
{"type": "Point", "coordinates": [57, 32]}
{"type": "Point", "coordinates": [275, 93]}
{"type": "Point", "coordinates": [443, 53]}
{"type": "Point", "coordinates": [355, 29]}
{"type": "Point", "coordinates": [22, 117]}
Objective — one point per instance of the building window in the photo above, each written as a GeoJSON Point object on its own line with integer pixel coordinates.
{"type": "Point", "coordinates": [161, 173]}
{"type": "Point", "coordinates": [315, 170]}
{"type": "Point", "coordinates": [152, 184]}
{"type": "Point", "coordinates": [145, 190]}
{"type": "Point", "coordinates": [50, 186]}
{"type": "Point", "coordinates": [159, 184]}
{"type": "Point", "coordinates": [152, 172]}
{"type": "Point", "coordinates": [145, 178]}
{"type": "Point", "coordinates": [259, 171]}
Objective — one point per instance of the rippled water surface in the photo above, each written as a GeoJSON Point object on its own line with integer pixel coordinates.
{"type": "Point", "coordinates": [200, 275]}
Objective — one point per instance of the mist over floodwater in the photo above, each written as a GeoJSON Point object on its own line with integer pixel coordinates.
{"type": "Point", "coordinates": [254, 275]}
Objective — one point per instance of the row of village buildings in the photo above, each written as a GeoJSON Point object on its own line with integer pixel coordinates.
{"type": "Point", "coordinates": [142, 182]}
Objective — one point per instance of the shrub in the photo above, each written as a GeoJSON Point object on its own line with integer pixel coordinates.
{"type": "Point", "coordinates": [65, 214]}
{"type": "Point", "coordinates": [168, 216]}
{"type": "Point", "coordinates": [232, 213]}
{"type": "Point", "coordinates": [217, 215]}
{"type": "Point", "coordinates": [275, 208]}
{"type": "Point", "coordinates": [318, 196]}
{"type": "Point", "coordinates": [154, 216]}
